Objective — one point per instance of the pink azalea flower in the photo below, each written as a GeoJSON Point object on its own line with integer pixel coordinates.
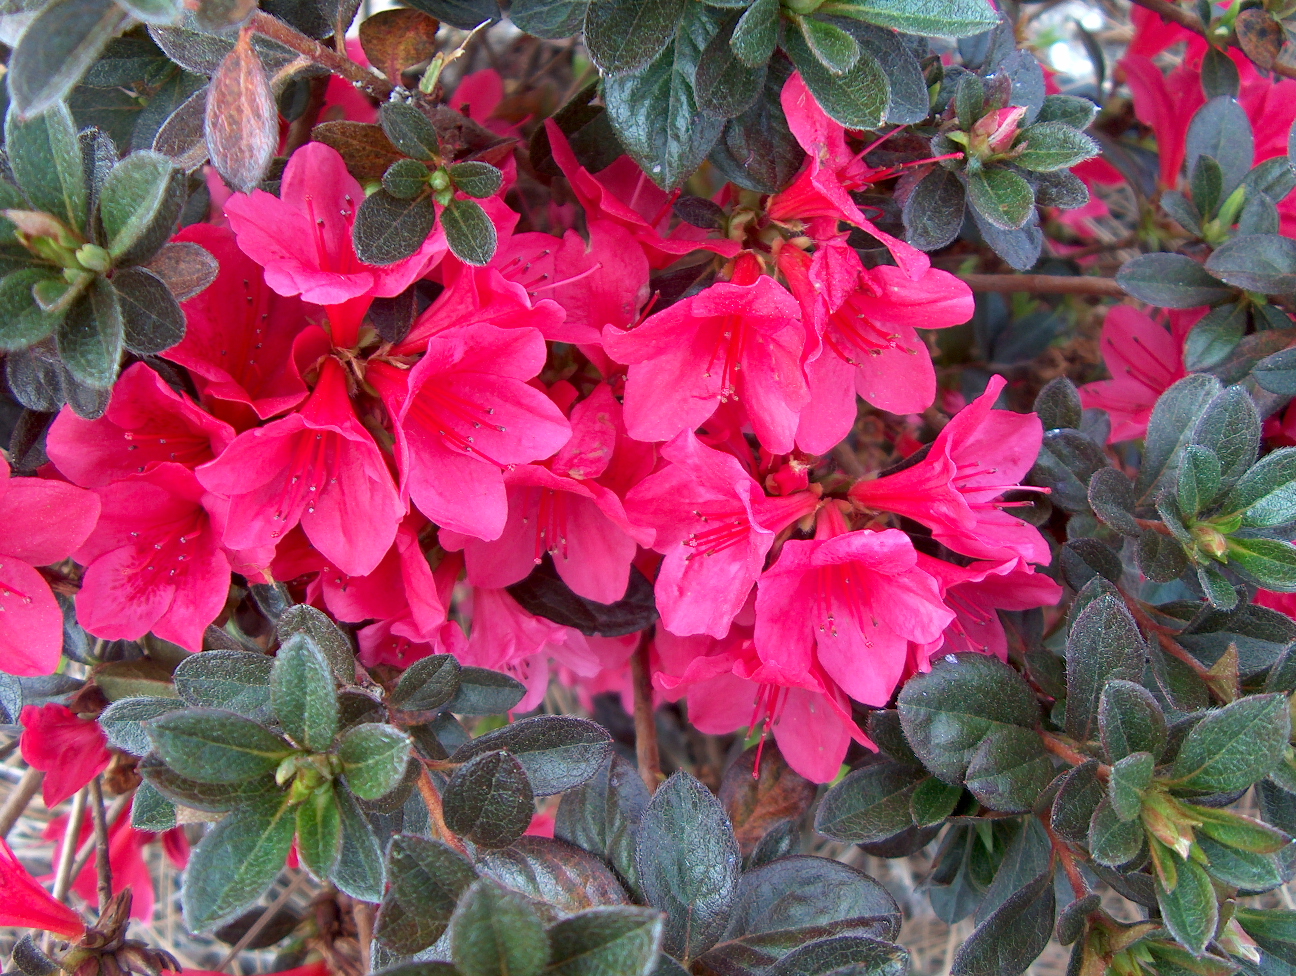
{"type": "Point", "coordinates": [318, 466]}
{"type": "Point", "coordinates": [731, 341]}
{"type": "Point", "coordinates": [395, 642]}
{"type": "Point", "coordinates": [241, 338]}
{"type": "Point", "coordinates": [44, 523]}
{"type": "Point", "coordinates": [1144, 359]}
{"type": "Point", "coordinates": [715, 527]}
{"type": "Point", "coordinates": [867, 321]}
{"type": "Point", "coordinates": [624, 195]}
{"type": "Point", "coordinates": [821, 193]}
{"type": "Point", "coordinates": [27, 905]}
{"type": "Point", "coordinates": [69, 749]}
{"type": "Point", "coordinates": [954, 490]}
{"type": "Point", "coordinates": [463, 413]}
{"type": "Point", "coordinates": [850, 603]}
{"type": "Point", "coordinates": [147, 424]}
{"type": "Point", "coordinates": [482, 296]}
{"type": "Point", "coordinates": [303, 240]}
{"type": "Point", "coordinates": [975, 594]}
{"type": "Point", "coordinates": [154, 561]}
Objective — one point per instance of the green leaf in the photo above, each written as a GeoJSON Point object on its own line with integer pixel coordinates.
{"type": "Point", "coordinates": [328, 637]}
{"type": "Point", "coordinates": [1239, 832]}
{"type": "Point", "coordinates": [1207, 186]}
{"type": "Point", "coordinates": [550, 19]}
{"type": "Point", "coordinates": [1199, 480]}
{"type": "Point", "coordinates": [1270, 562]}
{"type": "Point", "coordinates": [1052, 146]}
{"type": "Point", "coordinates": [405, 179]}
{"type": "Point", "coordinates": [489, 800]}
{"type": "Point", "coordinates": [427, 684]}
{"type": "Point", "coordinates": [1171, 281]}
{"type": "Point", "coordinates": [1274, 930]}
{"type": "Point", "coordinates": [427, 880]}
{"type": "Point", "coordinates": [844, 955]}
{"type": "Point", "coordinates": [485, 692]}
{"type": "Point", "coordinates": [409, 130]}
{"type": "Point", "coordinates": [495, 932]}
{"type": "Point", "coordinates": [1104, 643]}
{"type": "Point", "coordinates": [603, 815]}
{"type": "Point", "coordinates": [620, 940]}
{"type": "Point", "coordinates": [373, 758]}
{"type": "Point", "coordinates": [689, 864]}
{"type": "Point", "coordinates": [304, 699]}
{"type": "Point", "coordinates": [90, 336]}
{"type": "Point", "coordinates": [1191, 911]}
{"type": "Point", "coordinates": [464, 14]}
{"type": "Point", "coordinates": [319, 832]}
{"type": "Point", "coordinates": [215, 746]}
{"type": "Point", "coordinates": [22, 321]}
{"type": "Point", "coordinates": [1129, 778]}
{"type": "Point", "coordinates": [139, 204]}
{"type": "Point", "coordinates": [857, 98]}
{"type": "Point", "coordinates": [123, 722]}
{"type": "Point", "coordinates": [1266, 493]}
{"type": "Point", "coordinates": [1073, 110]}
{"type": "Point", "coordinates": [1013, 935]}
{"type": "Point", "coordinates": [1077, 797]}
{"type": "Point", "coordinates": [933, 214]}
{"type": "Point", "coordinates": [624, 36]}
{"type": "Point", "coordinates": [469, 231]}
{"type": "Point", "coordinates": [236, 862]}
{"type": "Point", "coordinates": [1257, 262]}
{"type": "Point", "coordinates": [1241, 869]}
{"type": "Point", "coordinates": [654, 112]}
{"type": "Point", "coordinates": [553, 872]}
{"type": "Point", "coordinates": [1130, 721]}
{"type": "Point", "coordinates": [45, 157]}
{"type": "Point", "coordinates": [152, 320]}
{"type": "Point", "coordinates": [388, 229]}
{"type": "Point", "coordinates": [1219, 75]}
{"type": "Point", "coordinates": [557, 752]}
{"type": "Point", "coordinates": [1001, 196]}
{"type": "Point", "coordinates": [1111, 496]}
{"type": "Point", "coordinates": [1009, 770]}
{"type": "Point", "coordinates": [210, 797]}
{"type": "Point", "coordinates": [238, 681]}
{"type": "Point", "coordinates": [724, 85]}
{"type": "Point", "coordinates": [475, 178]}
{"type": "Point", "coordinates": [1114, 842]}
{"type": "Point", "coordinates": [944, 18]}
{"type": "Point", "coordinates": [933, 801]}
{"type": "Point", "coordinates": [756, 33]}
{"type": "Point", "coordinates": [1277, 372]}
{"type": "Point", "coordinates": [58, 47]}
{"type": "Point", "coordinates": [359, 870]}
{"type": "Point", "coordinates": [1229, 427]}
{"type": "Point", "coordinates": [1234, 746]}
{"type": "Point", "coordinates": [150, 810]}
{"type": "Point", "coordinates": [1170, 429]}
{"type": "Point", "coordinates": [1221, 129]}
{"type": "Point", "coordinates": [948, 712]}
{"type": "Point", "coordinates": [835, 49]}
{"type": "Point", "coordinates": [871, 804]}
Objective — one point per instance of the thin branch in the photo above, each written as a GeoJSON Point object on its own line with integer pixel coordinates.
{"type": "Point", "coordinates": [646, 750]}
{"type": "Point", "coordinates": [436, 813]}
{"type": "Point", "coordinates": [1065, 751]}
{"type": "Point", "coordinates": [276, 30]}
{"type": "Point", "coordinates": [1177, 15]}
{"type": "Point", "coordinates": [1063, 854]}
{"type": "Point", "coordinates": [63, 874]}
{"type": "Point", "coordinates": [87, 849]}
{"type": "Point", "coordinates": [1037, 284]}
{"type": "Point", "coordinates": [17, 803]}
{"type": "Point", "coordinates": [363, 913]}
{"type": "Point", "coordinates": [263, 920]}
{"type": "Point", "coordinates": [103, 866]}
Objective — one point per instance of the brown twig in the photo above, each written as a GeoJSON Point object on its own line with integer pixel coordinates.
{"type": "Point", "coordinates": [646, 750]}
{"type": "Point", "coordinates": [1155, 525]}
{"type": "Point", "coordinates": [1038, 284]}
{"type": "Point", "coordinates": [17, 803]}
{"type": "Point", "coordinates": [103, 866]}
{"type": "Point", "coordinates": [1168, 643]}
{"type": "Point", "coordinates": [363, 913]}
{"type": "Point", "coordinates": [63, 874]}
{"type": "Point", "coordinates": [1069, 753]}
{"type": "Point", "coordinates": [436, 813]}
{"type": "Point", "coordinates": [276, 30]}
{"type": "Point", "coordinates": [1176, 14]}
{"type": "Point", "coordinates": [87, 849]}
{"type": "Point", "coordinates": [1063, 854]}
{"type": "Point", "coordinates": [263, 920]}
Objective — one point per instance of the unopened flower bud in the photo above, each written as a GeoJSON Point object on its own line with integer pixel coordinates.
{"type": "Point", "coordinates": [1210, 540]}
{"type": "Point", "coordinates": [93, 257]}
{"type": "Point", "coordinates": [439, 179]}
{"type": "Point", "coordinates": [996, 131]}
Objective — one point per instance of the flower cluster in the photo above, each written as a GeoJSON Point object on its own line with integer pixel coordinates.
{"type": "Point", "coordinates": [548, 406]}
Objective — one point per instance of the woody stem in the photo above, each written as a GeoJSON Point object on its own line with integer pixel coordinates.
{"type": "Point", "coordinates": [363, 912]}
{"type": "Point", "coordinates": [646, 751]}
{"type": "Point", "coordinates": [22, 795]}
{"type": "Point", "coordinates": [1063, 854]}
{"type": "Point", "coordinates": [436, 813]}
{"type": "Point", "coordinates": [268, 26]}
{"type": "Point", "coordinates": [103, 866]}
{"type": "Point", "coordinates": [1045, 284]}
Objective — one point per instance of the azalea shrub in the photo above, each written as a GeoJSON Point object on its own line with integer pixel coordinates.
{"type": "Point", "coordinates": [561, 514]}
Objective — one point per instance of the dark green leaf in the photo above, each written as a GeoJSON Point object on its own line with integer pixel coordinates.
{"type": "Point", "coordinates": [620, 940]}
{"type": "Point", "coordinates": [554, 873]}
{"type": "Point", "coordinates": [1270, 562]}
{"type": "Point", "coordinates": [857, 98]}
{"type": "Point", "coordinates": [464, 14]}
{"type": "Point", "coordinates": [1214, 337]}
{"type": "Point", "coordinates": [427, 879]}
{"type": "Point", "coordinates": [724, 85]}
{"type": "Point", "coordinates": [45, 157]}
{"type": "Point", "coordinates": [139, 204]}
{"type": "Point", "coordinates": [238, 681]}
{"type": "Point", "coordinates": [1028, 855]}
{"type": "Point", "coordinates": [1241, 869]}
{"type": "Point", "coordinates": [1219, 75]}
{"type": "Point", "coordinates": [1111, 496]}
{"type": "Point", "coordinates": [319, 832]}
{"type": "Point", "coordinates": [851, 955]}
{"type": "Point", "coordinates": [1230, 428]}
{"type": "Point", "coordinates": [1104, 644]}
{"type": "Point", "coordinates": [835, 49]}
{"type": "Point", "coordinates": [373, 759]}
{"type": "Point", "coordinates": [485, 692]}
{"type": "Point", "coordinates": [359, 870]}
{"type": "Point", "coordinates": [1073, 110]}
{"type": "Point", "coordinates": [1267, 492]}
{"type": "Point", "coordinates": [22, 321]}
{"type": "Point", "coordinates": [152, 320]}
{"type": "Point", "coordinates": [150, 810]}
{"type": "Point", "coordinates": [1257, 262]}
{"type": "Point", "coordinates": [602, 815]}
{"type": "Point", "coordinates": [1073, 807]}
{"type": "Point", "coordinates": [305, 701]}
{"type": "Point", "coordinates": [328, 637]}
{"type": "Point", "coordinates": [933, 214]}
{"type": "Point", "coordinates": [489, 800]}
{"type": "Point", "coordinates": [388, 229]}
{"type": "Point", "coordinates": [1009, 770]}
{"type": "Point", "coordinates": [1191, 911]}
{"type": "Point", "coordinates": [405, 179]}
{"type": "Point", "coordinates": [1130, 720]}
{"type": "Point", "coordinates": [1011, 938]}
{"type": "Point", "coordinates": [410, 130]}
{"type": "Point", "coordinates": [1274, 930]}
{"type": "Point", "coordinates": [1170, 429]}
{"type": "Point", "coordinates": [1277, 373]}
{"type": "Point", "coordinates": [495, 932]}
{"type": "Point", "coordinates": [1220, 129]}
{"type": "Point", "coordinates": [1234, 746]}
{"type": "Point", "coordinates": [1001, 197]}
{"type": "Point", "coordinates": [933, 801]}
{"type": "Point", "coordinates": [475, 178]}
{"type": "Point", "coordinates": [871, 804]}
{"type": "Point", "coordinates": [1183, 210]}
{"type": "Point", "coordinates": [544, 594]}
{"type": "Point", "coordinates": [550, 19]}
{"type": "Point", "coordinates": [123, 721]}
{"type": "Point", "coordinates": [944, 18]}
{"type": "Point", "coordinates": [90, 336]}
{"type": "Point", "coordinates": [236, 862]}
{"type": "Point", "coordinates": [211, 797]}
{"type": "Point", "coordinates": [469, 231]}
{"type": "Point", "coordinates": [558, 752]}
{"type": "Point", "coordinates": [624, 36]}
{"type": "Point", "coordinates": [689, 864]}
{"type": "Point", "coordinates": [58, 47]}
{"type": "Point", "coordinates": [1171, 281]}
{"type": "Point", "coordinates": [427, 684]}
{"type": "Point", "coordinates": [215, 746]}
{"type": "Point", "coordinates": [1114, 842]}
{"type": "Point", "coordinates": [756, 33]}
{"type": "Point", "coordinates": [1052, 146]}
{"type": "Point", "coordinates": [1207, 186]}
{"type": "Point", "coordinates": [1129, 778]}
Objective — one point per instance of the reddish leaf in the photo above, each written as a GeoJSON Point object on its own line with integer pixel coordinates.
{"type": "Point", "coordinates": [1260, 37]}
{"type": "Point", "coordinates": [242, 122]}
{"type": "Point", "coordinates": [186, 268]}
{"type": "Point", "coordinates": [364, 147]}
{"type": "Point", "coordinates": [756, 806]}
{"type": "Point", "coordinates": [394, 40]}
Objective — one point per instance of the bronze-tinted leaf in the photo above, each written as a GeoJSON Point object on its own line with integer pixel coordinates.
{"type": "Point", "coordinates": [186, 267]}
{"type": "Point", "coordinates": [182, 135]}
{"type": "Point", "coordinates": [758, 804]}
{"type": "Point", "coordinates": [242, 122]}
{"type": "Point", "coordinates": [1260, 36]}
{"type": "Point", "coordinates": [363, 146]}
{"type": "Point", "coordinates": [394, 40]}
{"type": "Point", "coordinates": [554, 873]}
